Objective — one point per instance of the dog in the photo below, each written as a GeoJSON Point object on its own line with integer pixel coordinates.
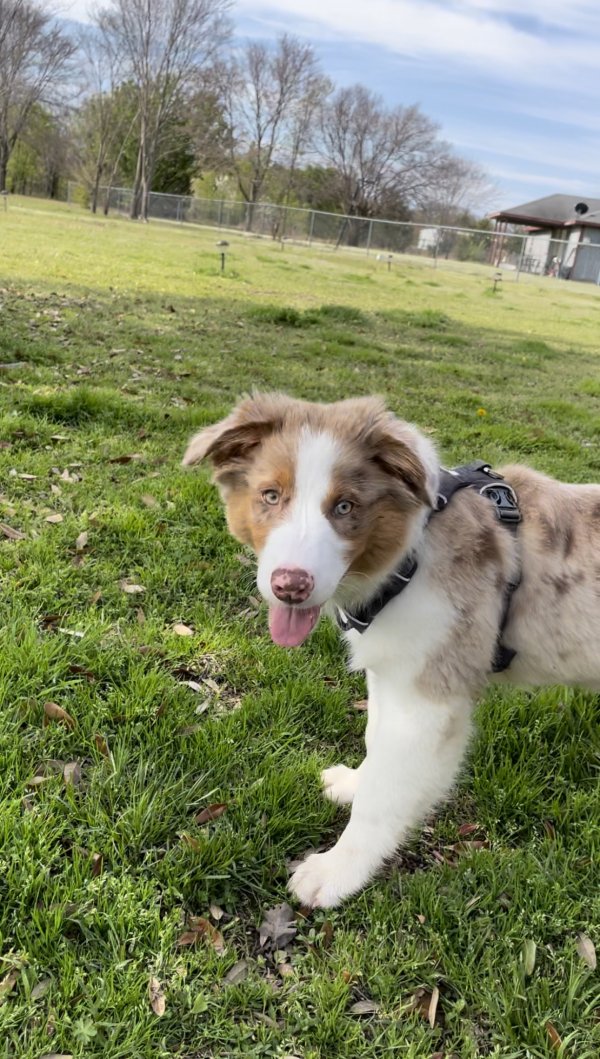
{"type": "Point", "coordinates": [337, 500]}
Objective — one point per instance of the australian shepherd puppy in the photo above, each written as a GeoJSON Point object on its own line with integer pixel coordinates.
{"type": "Point", "coordinates": [332, 497]}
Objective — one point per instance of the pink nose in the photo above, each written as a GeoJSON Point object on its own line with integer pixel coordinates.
{"type": "Point", "coordinates": [292, 585]}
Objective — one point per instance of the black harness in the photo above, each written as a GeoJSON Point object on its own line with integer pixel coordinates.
{"type": "Point", "coordinates": [489, 484]}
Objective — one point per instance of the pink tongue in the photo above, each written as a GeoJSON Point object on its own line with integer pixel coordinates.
{"type": "Point", "coordinates": [289, 626]}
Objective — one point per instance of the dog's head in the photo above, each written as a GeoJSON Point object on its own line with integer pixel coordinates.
{"type": "Point", "coordinates": [328, 496]}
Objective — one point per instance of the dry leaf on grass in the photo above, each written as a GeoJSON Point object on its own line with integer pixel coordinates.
{"type": "Point", "coordinates": [55, 519]}
{"type": "Point", "coordinates": [101, 745]}
{"type": "Point", "coordinates": [81, 541]}
{"type": "Point", "coordinates": [554, 1035]}
{"type": "Point", "coordinates": [10, 533]}
{"type": "Point", "coordinates": [528, 956]}
{"type": "Point", "coordinates": [202, 929]}
{"type": "Point", "coordinates": [8, 982]}
{"type": "Point", "coordinates": [237, 973]}
{"type": "Point", "coordinates": [57, 1055]}
{"type": "Point", "coordinates": [362, 704]}
{"type": "Point", "coordinates": [148, 500]}
{"type": "Point", "coordinates": [278, 927]}
{"type": "Point", "coordinates": [54, 712]}
{"type": "Point", "coordinates": [211, 812]}
{"type": "Point", "coordinates": [131, 589]}
{"type": "Point", "coordinates": [72, 774]}
{"type": "Point", "coordinates": [182, 630]}
{"type": "Point", "coordinates": [41, 988]}
{"type": "Point", "coordinates": [97, 865]}
{"type": "Point", "coordinates": [586, 949]}
{"type": "Point", "coordinates": [426, 1003]}
{"type": "Point", "coordinates": [156, 996]}
{"type": "Point", "coordinates": [364, 1007]}
{"type": "Point", "coordinates": [127, 457]}
{"type": "Point", "coordinates": [216, 912]}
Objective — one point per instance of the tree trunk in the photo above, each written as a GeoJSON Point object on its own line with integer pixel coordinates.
{"type": "Point", "coordinates": [134, 211]}
{"type": "Point", "coordinates": [4, 156]}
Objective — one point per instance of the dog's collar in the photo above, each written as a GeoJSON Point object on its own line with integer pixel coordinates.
{"type": "Point", "coordinates": [477, 475]}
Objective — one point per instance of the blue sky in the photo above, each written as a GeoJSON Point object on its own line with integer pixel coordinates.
{"type": "Point", "coordinates": [515, 84]}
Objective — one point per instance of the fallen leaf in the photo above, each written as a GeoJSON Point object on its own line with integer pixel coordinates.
{"type": "Point", "coordinates": [58, 437]}
{"type": "Point", "coordinates": [190, 729]}
{"type": "Point", "coordinates": [212, 684]}
{"type": "Point", "coordinates": [189, 937]}
{"type": "Point", "coordinates": [586, 949]}
{"type": "Point", "coordinates": [97, 865]}
{"type": "Point", "coordinates": [202, 928]}
{"type": "Point", "coordinates": [101, 745]}
{"type": "Point", "coordinates": [37, 781]}
{"type": "Point", "coordinates": [362, 704]}
{"type": "Point", "coordinates": [57, 1055]}
{"type": "Point", "coordinates": [41, 988]}
{"type": "Point", "coordinates": [211, 812]}
{"type": "Point", "coordinates": [54, 712]}
{"type": "Point", "coordinates": [55, 519]}
{"type": "Point", "coordinates": [140, 616]}
{"type": "Point", "coordinates": [421, 919]}
{"type": "Point", "coordinates": [81, 541]}
{"type": "Point", "coordinates": [528, 956]}
{"type": "Point", "coordinates": [8, 982]}
{"type": "Point", "coordinates": [278, 927]}
{"type": "Point", "coordinates": [182, 630]}
{"type": "Point", "coordinates": [433, 1005]}
{"type": "Point", "coordinates": [148, 500]}
{"type": "Point", "coordinates": [130, 589]}
{"type": "Point", "coordinates": [216, 912]}
{"type": "Point", "coordinates": [27, 477]}
{"type": "Point", "coordinates": [467, 829]}
{"type": "Point", "coordinates": [190, 841]}
{"type": "Point", "coordinates": [327, 934]}
{"type": "Point", "coordinates": [554, 1035]}
{"type": "Point", "coordinates": [157, 997]}
{"type": "Point", "coordinates": [126, 458]}
{"type": "Point", "coordinates": [210, 934]}
{"type": "Point", "coordinates": [193, 684]}
{"type": "Point", "coordinates": [425, 1002]}
{"type": "Point", "coordinates": [10, 533]}
{"type": "Point", "coordinates": [55, 490]}
{"type": "Point", "coordinates": [237, 973]}
{"type": "Point", "coordinates": [72, 774]}
{"type": "Point", "coordinates": [96, 597]}
{"type": "Point", "coordinates": [266, 1019]}
{"type": "Point", "coordinates": [364, 1007]}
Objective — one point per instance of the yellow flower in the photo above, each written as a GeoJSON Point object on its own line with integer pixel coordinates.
{"type": "Point", "coordinates": [481, 412]}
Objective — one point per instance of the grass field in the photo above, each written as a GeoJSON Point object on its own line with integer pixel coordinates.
{"type": "Point", "coordinates": [114, 880]}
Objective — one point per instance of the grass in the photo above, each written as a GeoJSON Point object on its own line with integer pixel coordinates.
{"type": "Point", "coordinates": [129, 339]}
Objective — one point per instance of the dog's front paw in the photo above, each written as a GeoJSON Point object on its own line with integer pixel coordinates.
{"type": "Point", "coordinates": [340, 783]}
{"type": "Point", "coordinates": [323, 880]}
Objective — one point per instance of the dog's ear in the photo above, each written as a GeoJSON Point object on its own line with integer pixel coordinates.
{"type": "Point", "coordinates": [229, 443]}
{"type": "Point", "coordinates": [401, 451]}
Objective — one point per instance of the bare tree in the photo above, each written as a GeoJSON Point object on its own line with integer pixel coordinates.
{"type": "Point", "coordinates": [164, 42]}
{"type": "Point", "coordinates": [378, 154]}
{"type": "Point", "coordinates": [102, 125]}
{"type": "Point", "coordinates": [460, 187]}
{"type": "Point", "coordinates": [33, 61]}
{"type": "Point", "coordinates": [271, 96]}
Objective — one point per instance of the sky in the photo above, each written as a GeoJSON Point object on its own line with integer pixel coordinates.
{"type": "Point", "coordinates": [514, 84]}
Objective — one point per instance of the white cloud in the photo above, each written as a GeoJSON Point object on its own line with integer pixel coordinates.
{"type": "Point", "coordinates": [469, 33]}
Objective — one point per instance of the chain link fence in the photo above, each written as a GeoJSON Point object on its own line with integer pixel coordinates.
{"type": "Point", "coordinates": [512, 254]}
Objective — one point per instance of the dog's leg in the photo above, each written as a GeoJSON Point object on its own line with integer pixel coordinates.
{"type": "Point", "coordinates": [340, 782]}
{"type": "Point", "coordinates": [413, 756]}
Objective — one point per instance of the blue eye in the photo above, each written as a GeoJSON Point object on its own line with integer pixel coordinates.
{"type": "Point", "coordinates": [270, 496]}
{"type": "Point", "coordinates": [343, 508]}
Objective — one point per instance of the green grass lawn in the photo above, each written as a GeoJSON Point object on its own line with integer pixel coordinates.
{"type": "Point", "coordinates": [111, 876]}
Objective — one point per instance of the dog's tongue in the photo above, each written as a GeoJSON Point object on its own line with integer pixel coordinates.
{"type": "Point", "coordinates": [289, 626]}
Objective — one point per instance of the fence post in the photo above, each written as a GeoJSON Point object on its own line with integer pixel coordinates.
{"type": "Point", "coordinates": [220, 220]}
{"type": "Point", "coordinates": [311, 227]}
{"type": "Point", "coordinates": [369, 235]}
{"type": "Point", "coordinates": [521, 256]}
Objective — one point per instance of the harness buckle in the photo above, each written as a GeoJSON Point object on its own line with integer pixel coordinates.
{"type": "Point", "coordinates": [504, 499]}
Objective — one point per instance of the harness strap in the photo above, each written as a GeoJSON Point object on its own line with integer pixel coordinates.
{"type": "Point", "coordinates": [477, 475]}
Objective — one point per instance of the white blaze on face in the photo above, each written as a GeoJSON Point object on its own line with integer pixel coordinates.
{"type": "Point", "coordinates": [305, 540]}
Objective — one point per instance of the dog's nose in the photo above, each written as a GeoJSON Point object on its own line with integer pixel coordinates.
{"type": "Point", "coordinates": [291, 584]}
